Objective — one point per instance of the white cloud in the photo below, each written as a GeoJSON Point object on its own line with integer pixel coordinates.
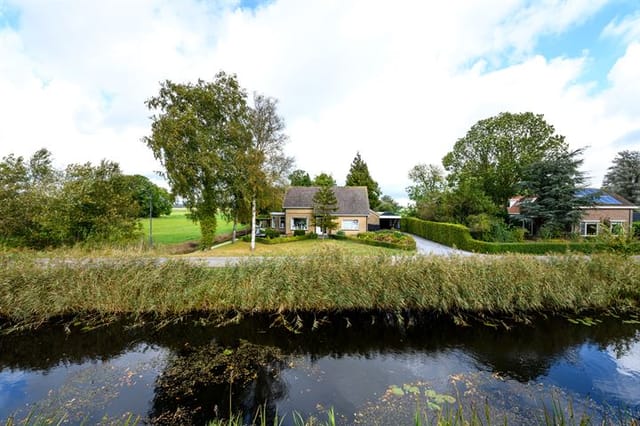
{"type": "Point", "coordinates": [399, 82]}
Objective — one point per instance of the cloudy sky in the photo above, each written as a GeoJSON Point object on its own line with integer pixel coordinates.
{"type": "Point", "coordinates": [397, 81]}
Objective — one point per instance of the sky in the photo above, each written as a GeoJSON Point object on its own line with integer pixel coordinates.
{"type": "Point", "coordinates": [399, 82]}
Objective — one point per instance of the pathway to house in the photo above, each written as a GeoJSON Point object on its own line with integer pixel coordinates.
{"type": "Point", "coordinates": [428, 247]}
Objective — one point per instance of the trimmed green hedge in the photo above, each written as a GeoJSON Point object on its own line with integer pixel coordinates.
{"type": "Point", "coordinates": [458, 236]}
{"type": "Point", "coordinates": [282, 240]}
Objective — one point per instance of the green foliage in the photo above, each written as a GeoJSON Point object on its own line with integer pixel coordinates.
{"type": "Point", "coordinates": [271, 233]}
{"type": "Point", "coordinates": [554, 182]}
{"type": "Point", "coordinates": [300, 178]}
{"type": "Point", "coordinates": [324, 179]}
{"type": "Point", "coordinates": [428, 180]}
{"type": "Point", "coordinates": [299, 232]}
{"type": "Point", "coordinates": [458, 236]}
{"type": "Point", "coordinates": [496, 150]}
{"type": "Point", "coordinates": [325, 204]}
{"type": "Point", "coordinates": [466, 199]}
{"type": "Point", "coordinates": [623, 176]}
{"type": "Point", "coordinates": [636, 230]}
{"type": "Point", "coordinates": [388, 239]}
{"type": "Point", "coordinates": [198, 132]}
{"type": "Point", "coordinates": [283, 239]}
{"type": "Point", "coordinates": [359, 176]}
{"type": "Point", "coordinates": [44, 207]}
{"type": "Point", "coordinates": [484, 227]}
{"type": "Point", "coordinates": [388, 204]}
{"type": "Point", "coordinates": [146, 191]}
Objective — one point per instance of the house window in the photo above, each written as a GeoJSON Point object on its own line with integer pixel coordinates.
{"type": "Point", "coordinates": [299, 223]}
{"type": "Point", "coordinates": [588, 229]}
{"type": "Point", "coordinates": [617, 228]}
{"type": "Point", "coordinates": [350, 225]}
{"type": "Point", "coordinates": [282, 222]}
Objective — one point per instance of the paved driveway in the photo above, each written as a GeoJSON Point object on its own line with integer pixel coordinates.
{"type": "Point", "coordinates": [427, 247]}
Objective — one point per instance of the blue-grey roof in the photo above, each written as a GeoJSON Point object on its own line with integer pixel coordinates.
{"type": "Point", "coordinates": [602, 197]}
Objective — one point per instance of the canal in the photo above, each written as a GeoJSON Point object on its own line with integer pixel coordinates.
{"type": "Point", "coordinates": [371, 369]}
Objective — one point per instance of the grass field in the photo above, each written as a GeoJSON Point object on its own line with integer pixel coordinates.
{"type": "Point", "coordinates": [177, 228]}
{"type": "Point", "coordinates": [298, 248]}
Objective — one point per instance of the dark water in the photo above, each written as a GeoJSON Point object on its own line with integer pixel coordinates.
{"type": "Point", "coordinates": [369, 369]}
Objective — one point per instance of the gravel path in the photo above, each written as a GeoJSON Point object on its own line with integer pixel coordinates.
{"type": "Point", "coordinates": [428, 247]}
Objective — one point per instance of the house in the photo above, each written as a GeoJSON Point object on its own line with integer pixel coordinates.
{"type": "Point", "coordinates": [608, 208]}
{"type": "Point", "coordinates": [353, 214]}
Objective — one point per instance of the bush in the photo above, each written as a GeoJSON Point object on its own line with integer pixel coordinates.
{"type": "Point", "coordinates": [298, 232]}
{"type": "Point", "coordinates": [636, 230]}
{"type": "Point", "coordinates": [489, 228]}
{"type": "Point", "coordinates": [458, 236]}
{"type": "Point", "coordinates": [271, 233]}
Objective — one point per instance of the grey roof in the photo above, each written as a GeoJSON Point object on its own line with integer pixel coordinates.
{"type": "Point", "coordinates": [352, 200]}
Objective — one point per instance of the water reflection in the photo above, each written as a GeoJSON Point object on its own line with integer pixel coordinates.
{"type": "Point", "coordinates": [183, 373]}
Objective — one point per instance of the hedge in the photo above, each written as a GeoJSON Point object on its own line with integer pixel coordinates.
{"type": "Point", "coordinates": [458, 236]}
{"type": "Point", "coordinates": [282, 240]}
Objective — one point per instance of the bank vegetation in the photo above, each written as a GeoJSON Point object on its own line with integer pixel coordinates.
{"type": "Point", "coordinates": [34, 290]}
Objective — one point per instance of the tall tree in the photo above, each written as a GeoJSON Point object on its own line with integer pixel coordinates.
{"type": "Point", "coordinates": [496, 150]}
{"type": "Point", "coordinates": [325, 204]}
{"type": "Point", "coordinates": [359, 176]}
{"type": "Point", "coordinates": [146, 192]}
{"type": "Point", "coordinates": [623, 176]}
{"type": "Point", "coordinates": [300, 178]}
{"type": "Point", "coordinates": [554, 185]}
{"type": "Point", "coordinates": [324, 179]}
{"type": "Point", "coordinates": [268, 165]}
{"type": "Point", "coordinates": [197, 131]}
{"type": "Point", "coordinates": [388, 204]}
{"type": "Point", "coordinates": [428, 180]}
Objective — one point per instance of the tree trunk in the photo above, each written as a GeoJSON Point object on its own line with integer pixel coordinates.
{"type": "Point", "coordinates": [235, 225]}
{"type": "Point", "coordinates": [253, 224]}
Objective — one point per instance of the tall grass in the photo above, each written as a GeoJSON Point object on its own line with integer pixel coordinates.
{"type": "Point", "coordinates": [32, 290]}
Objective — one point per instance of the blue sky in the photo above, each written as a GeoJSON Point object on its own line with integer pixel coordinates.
{"type": "Point", "coordinates": [400, 82]}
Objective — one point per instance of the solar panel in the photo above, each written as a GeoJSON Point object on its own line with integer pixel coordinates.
{"type": "Point", "coordinates": [607, 199]}
{"type": "Point", "coordinates": [601, 198]}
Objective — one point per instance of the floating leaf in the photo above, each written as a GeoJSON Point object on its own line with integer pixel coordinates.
{"type": "Point", "coordinates": [395, 390]}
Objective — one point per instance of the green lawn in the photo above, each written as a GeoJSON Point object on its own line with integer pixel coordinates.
{"type": "Point", "coordinates": [299, 248]}
{"type": "Point", "coordinates": [177, 228]}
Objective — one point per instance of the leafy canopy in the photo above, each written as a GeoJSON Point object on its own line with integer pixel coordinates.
{"type": "Point", "coordinates": [198, 132]}
{"type": "Point", "coordinates": [496, 151]}
{"type": "Point", "coordinates": [324, 179]}
{"type": "Point", "coordinates": [300, 178]}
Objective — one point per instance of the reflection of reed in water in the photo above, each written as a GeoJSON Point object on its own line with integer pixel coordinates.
{"type": "Point", "coordinates": [212, 381]}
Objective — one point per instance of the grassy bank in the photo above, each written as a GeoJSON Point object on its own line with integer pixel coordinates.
{"type": "Point", "coordinates": [32, 291]}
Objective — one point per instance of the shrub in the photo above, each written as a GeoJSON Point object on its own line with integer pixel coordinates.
{"type": "Point", "coordinates": [389, 239]}
{"type": "Point", "coordinates": [271, 233]}
{"type": "Point", "coordinates": [458, 236]}
{"type": "Point", "coordinates": [489, 228]}
{"type": "Point", "coordinates": [298, 232]}
{"type": "Point", "coordinates": [636, 230]}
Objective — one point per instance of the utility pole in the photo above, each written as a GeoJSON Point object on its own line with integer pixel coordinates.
{"type": "Point", "coordinates": [150, 220]}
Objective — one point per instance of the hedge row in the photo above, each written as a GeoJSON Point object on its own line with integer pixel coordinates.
{"type": "Point", "coordinates": [282, 240]}
{"type": "Point", "coordinates": [458, 236]}
{"type": "Point", "coordinates": [374, 243]}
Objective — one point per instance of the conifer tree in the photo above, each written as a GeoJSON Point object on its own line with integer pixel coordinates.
{"type": "Point", "coordinates": [325, 204]}
{"type": "Point", "coordinates": [359, 176]}
{"type": "Point", "coordinates": [623, 176]}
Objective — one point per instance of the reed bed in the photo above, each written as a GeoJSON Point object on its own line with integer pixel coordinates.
{"type": "Point", "coordinates": [35, 291]}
